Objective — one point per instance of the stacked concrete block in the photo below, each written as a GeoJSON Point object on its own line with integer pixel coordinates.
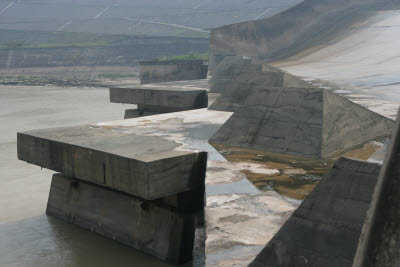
{"type": "Point", "coordinates": [157, 100]}
{"type": "Point", "coordinates": [137, 190]}
{"type": "Point", "coordinates": [156, 71]}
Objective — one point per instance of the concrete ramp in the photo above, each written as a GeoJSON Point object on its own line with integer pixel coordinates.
{"type": "Point", "coordinates": [308, 122]}
{"type": "Point", "coordinates": [325, 228]}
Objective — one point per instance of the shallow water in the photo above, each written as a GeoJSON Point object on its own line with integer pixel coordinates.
{"type": "Point", "coordinates": [46, 241]}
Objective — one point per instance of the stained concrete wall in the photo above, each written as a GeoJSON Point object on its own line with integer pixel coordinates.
{"type": "Point", "coordinates": [308, 122]}
{"type": "Point", "coordinates": [276, 119]}
{"type": "Point", "coordinates": [325, 228]}
{"type": "Point", "coordinates": [379, 242]}
{"type": "Point", "coordinates": [234, 89]}
{"type": "Point", "coordinates": [171, 70]}
{"type": "Point", "coordinates": [346, 124]}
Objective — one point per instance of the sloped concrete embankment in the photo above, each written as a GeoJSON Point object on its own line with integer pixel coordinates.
{"type": "Point", "coordinates": [379, 242]}
{"type": "Point", "coordinates": [325, 228]}
{"type": "Point", "coordinates": [292, 117]}
{"type": "Point", "coordinates": [307, 24]}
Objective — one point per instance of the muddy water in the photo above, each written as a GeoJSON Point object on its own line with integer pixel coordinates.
{"type": "Point", "coordinates": [295, 177]}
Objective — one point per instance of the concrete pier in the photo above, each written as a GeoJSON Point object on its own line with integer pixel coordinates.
{"type": "Point", "coordinates": [145, 166]}
{"type": "Point", "coordinates": [149, 226]}
{"type": "Point", "coordinates": [156, 100]}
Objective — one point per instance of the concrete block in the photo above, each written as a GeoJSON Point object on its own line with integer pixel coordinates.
{"type": "Point", "coordinates": [160, 99]}
{"type": "Point", "coordinates": [146, 166]}
{"type": "Point", "coordinates": [171, 70]}
{"type": "Point", "coordinates": [325, 228]}
{"type": "Point", "coordinates": [155, 229]}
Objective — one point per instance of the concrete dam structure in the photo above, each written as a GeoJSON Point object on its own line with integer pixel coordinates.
{"type": "Point", "coordinates": [272, 173]}
{"type": "Point", "coordinates": [295, 120]}
{"type": "Point", "coordinates": [346, 46]}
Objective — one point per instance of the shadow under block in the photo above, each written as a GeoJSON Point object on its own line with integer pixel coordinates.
{"type": "Point", "coordinates": [149, 167]}
{"type": "Point", "coordinates": [155, 229]}
{"type": "Point", "coordinates": [135, 113]}
{"type": "Point", "coordinates": [325, 228]}
{"type": "Point", "coordinates": [160, 99]}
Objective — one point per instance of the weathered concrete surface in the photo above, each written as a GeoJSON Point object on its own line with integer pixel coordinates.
{"type": "Point", "coordinates": [171, 70]}
{"type": "Point", "coordinates": [379, 242]}
{"type": "Point", "coordinates": [235, 89]}
{"type": "Point", "coordinates": [153, 229]}
{"type": "Point", "coordinates": [146, 166]}
{"type": "Point", "coordinates": [325, 228]}
{"type": "Point", "coordinates": [231, 65]}
{"type": "Point", "coordinates": [159, 99]}
{"type": "Point", "coordinates": [308, 122]}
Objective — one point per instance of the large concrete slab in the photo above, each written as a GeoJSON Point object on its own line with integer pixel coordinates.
{"type": "Point", "coordinates": [144, 225]}
{"type": "Point", "coordinates": [146, 166]}
{"type": "Point", "coordinates": [325, 228]}
{"type": "Point", "coordinates": [159, 99]}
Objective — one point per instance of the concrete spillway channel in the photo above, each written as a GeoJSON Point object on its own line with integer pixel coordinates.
{"type": "Point", "coordinates": [152, 100]}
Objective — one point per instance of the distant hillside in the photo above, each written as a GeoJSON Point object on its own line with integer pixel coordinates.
{"type": "Point", "coordinates": [188, 18]}
{"type": "Point", "coordinates": [24, 49]}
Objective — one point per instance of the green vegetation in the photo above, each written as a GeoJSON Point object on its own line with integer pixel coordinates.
{"type": "Point", "coordinates": [20, 44]}
{"type": "Point", "coordinates": [190, 56]}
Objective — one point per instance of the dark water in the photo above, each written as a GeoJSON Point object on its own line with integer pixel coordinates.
{"type": "Point", "coordinates": [45, 241]}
